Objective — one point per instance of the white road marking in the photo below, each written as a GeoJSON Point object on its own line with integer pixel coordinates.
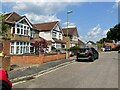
{"type": "Point", "coordinates": [18, 83]}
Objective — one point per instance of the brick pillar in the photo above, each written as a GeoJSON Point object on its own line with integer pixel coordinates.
{"type": "Point", "coordinates": [6, 47]}
{"type": "Point", "coordinates": [6, 63]}
{"type": "Point", "coordinates": [6, 57]}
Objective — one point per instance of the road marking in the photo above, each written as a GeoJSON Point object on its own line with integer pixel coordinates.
{"type": "Point", "coordinates": [18, 83]}
{"type": "Point", "coordinates": [53, 70]}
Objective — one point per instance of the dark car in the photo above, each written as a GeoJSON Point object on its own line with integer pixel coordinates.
{"type": "Point", "coordinates": [119, 51]}
{"type": "Point", "coordinates": [87, 53]}
{"type": "Point", "coordinates": [4, 81]}
{"type": "Point", "coordinates": [108, 48]}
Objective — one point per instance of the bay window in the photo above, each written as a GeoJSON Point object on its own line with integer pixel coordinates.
{"type": "Point", "coordinates": [19, 47]}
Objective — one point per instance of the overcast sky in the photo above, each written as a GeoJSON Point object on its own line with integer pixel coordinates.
{"type": "Point", "coordinates": [92, 19]}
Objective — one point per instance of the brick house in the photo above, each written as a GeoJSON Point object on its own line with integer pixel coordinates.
{"type": "Point", "coordinates": [113, 45]}
{"type": "Point", "coordinates": [52, 32]}
{"type": "Point", "coordinates": [22, 34]}
{"type": "Point", "coordinates": [73, 36]}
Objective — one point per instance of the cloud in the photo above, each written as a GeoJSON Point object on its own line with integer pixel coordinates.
{"type": "Point", "coordinates": [92, 35]}
{"type": "Point", "coordinates": [94, 31]}
{"type": "Point", "coordinates": [59, 0]}
{"type": "Point", "coordinates": [70, 24]}
{"type": "Point", "coordinates": [104, 34]}
{"type": "Point", "coordinates": [40, 11]}
{"type": "Point", "coordinates": [41, 18]}
{"type": "Point", "coordinates": [40, 8]}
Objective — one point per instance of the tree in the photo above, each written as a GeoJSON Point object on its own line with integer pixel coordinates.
{"type": "Point", "coordinates": [3, 32]}
{"type": "Point", "coordinates": [3, 27]}
{"type": "Point", "coordinates": [114, 33]}
{"type": "Point", "coordinates": [101, 41]}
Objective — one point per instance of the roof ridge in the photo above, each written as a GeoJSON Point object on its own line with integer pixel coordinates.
{"type": "Point", "coordinates": [11, 15]}
{"type": "Point", "coordinates": [45, 22]}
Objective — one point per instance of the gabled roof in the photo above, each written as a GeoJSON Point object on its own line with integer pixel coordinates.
{"type": "Point", "coordinates": [91, 42]}
{"type": "Point", "coordinates": [12, 17]}
{"type": "Point", "coordinates": [45, 26]}
{"type": "Point", "coordinates": [81, 42]}
{"type": "Point", "coordinates": [71, 31]}
{"type": "Point", "coordinates": [59, 41]}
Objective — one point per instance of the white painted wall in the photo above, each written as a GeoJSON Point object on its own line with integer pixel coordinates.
{"type": "Point", "coordinates": [46, 35]}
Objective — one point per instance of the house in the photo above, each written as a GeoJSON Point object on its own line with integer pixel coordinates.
{"type": "Point", "coordinates": [52, 32]}
{"type": "Point", "coordinates": [21, 33]}
{"type": "Point", "coordinates": [72, 38]}
{"type": "Point", "coordinates": [113, 45]}
{"type": "Point", "coordinates": [92, 44]}
{"type": "Point", "coordinates": [81, 43]}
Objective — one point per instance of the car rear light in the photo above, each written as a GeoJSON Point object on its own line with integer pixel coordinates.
{"type": "Point", "coordinates": [90, 53]}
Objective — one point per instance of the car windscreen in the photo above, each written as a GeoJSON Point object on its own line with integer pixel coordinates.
{"type": "Point", "coordinates": [83, 50]}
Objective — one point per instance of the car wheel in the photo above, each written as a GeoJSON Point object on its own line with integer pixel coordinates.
{"type": "Point", "coordinates": [5, 86]}
{"type": "Point", "coordinates": [92, 59]}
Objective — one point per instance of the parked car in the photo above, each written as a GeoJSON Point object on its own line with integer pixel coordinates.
{"type": "Point", "coordinates": [87, 53]}
{"type": "Point", "coordinates": [108, 48]}
{"type": "Point", "coordinates": [4, 81]}
{"type": "Point", "coordinates": [119, 51]}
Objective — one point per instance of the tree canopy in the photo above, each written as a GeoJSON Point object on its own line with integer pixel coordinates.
{"type": "Point", "coordinates": [114, 33]}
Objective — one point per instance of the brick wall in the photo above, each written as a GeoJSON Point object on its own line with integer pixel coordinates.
{"type": "Point", "coordinates": [6, 47]}
{"type": "Point", "coordinates": [5, 63]}
{"type": "Point", "coordinates": [36, 59]}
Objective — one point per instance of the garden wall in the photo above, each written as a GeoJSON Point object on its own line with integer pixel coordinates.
{"type": "Point", "coordinates": [36, 59]}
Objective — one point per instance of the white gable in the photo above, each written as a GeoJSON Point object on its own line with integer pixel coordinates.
{"type": "Point", "coordinates": [24, 20]}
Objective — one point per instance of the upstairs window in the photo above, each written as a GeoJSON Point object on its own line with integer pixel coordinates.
{"type": "Point", "coordinates": [54, 34]}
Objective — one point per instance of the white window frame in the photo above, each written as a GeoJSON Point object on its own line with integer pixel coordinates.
{"type": "Point", "coordinates": [27, 48]}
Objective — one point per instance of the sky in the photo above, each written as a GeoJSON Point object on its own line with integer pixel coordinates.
{"type": "Point", "coordinates": [92, 19]}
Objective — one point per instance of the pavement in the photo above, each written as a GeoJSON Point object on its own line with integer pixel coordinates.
{"type": "Point", "coordinates": [30, 72]}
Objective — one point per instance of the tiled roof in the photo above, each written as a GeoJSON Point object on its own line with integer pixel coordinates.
{"type": "Point", "coordinates": [71, 31]}
{"type": "Point", "coordinates": [12, 17]}
{"type": "Point", "coordinates": [45, 26]}
{"type": "Point", "coordinates": [38, 40]}
{"type": "Point", "coordinates": [59, 41]}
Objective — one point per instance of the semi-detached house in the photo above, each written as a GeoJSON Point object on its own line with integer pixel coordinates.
{"type": "Point", "coordinates": [72, 33]}
{"type": "Point", "coordinates": [52, 32]}
{"type": "Point", "coordinates": [21, 33]}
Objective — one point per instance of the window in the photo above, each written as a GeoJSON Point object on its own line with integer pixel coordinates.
{"type": "Point", "coordinates": [22, 29]}
{"type": "Point", "coordinates": [19, 47]}
{"type": "Point", "coordinates": [17, 50]}
{"type": "Point", "coordinates": [54, 34]}
{"type": "Point", "coordinates": [59, 35]}
{"type": "Point", "coordinates": [18, 31]}
{"type": "Point", "coordinates": [12, 50]}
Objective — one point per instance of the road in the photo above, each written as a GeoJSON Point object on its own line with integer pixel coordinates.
{"type": "Point", "coordinates": [102, 73]}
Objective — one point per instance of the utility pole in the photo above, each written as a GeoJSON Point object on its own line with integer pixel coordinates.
{"type": "Point", "coordinates": [67, 37]}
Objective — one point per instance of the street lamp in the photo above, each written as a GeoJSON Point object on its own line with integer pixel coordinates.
{"type": "Point", "coordinates": [68, 12]}
{"type": "Point", "coordinates": [67, 38]}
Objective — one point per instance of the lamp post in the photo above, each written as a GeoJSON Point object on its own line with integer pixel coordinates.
{"type": "Point", "coordinates": [67, 38]}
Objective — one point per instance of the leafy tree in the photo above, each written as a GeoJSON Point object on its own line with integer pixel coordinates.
{"type": "Point", "coordinates": [114, 33]}
{"type": "Point", "coordinates": [74, 48]}
{"type": "Point", "coordinates": [3, 32]}
{"type": "Point", "coordinates": [101, 41]}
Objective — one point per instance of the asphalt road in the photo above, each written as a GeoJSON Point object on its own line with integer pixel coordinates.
{"type": "Point", "coordinates": [102, 73]}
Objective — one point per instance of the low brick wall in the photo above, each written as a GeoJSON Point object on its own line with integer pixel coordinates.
{"type": "Point", "coordinates": [36, 59]}
{"type": "Point", "coordinates": [5, 63]}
